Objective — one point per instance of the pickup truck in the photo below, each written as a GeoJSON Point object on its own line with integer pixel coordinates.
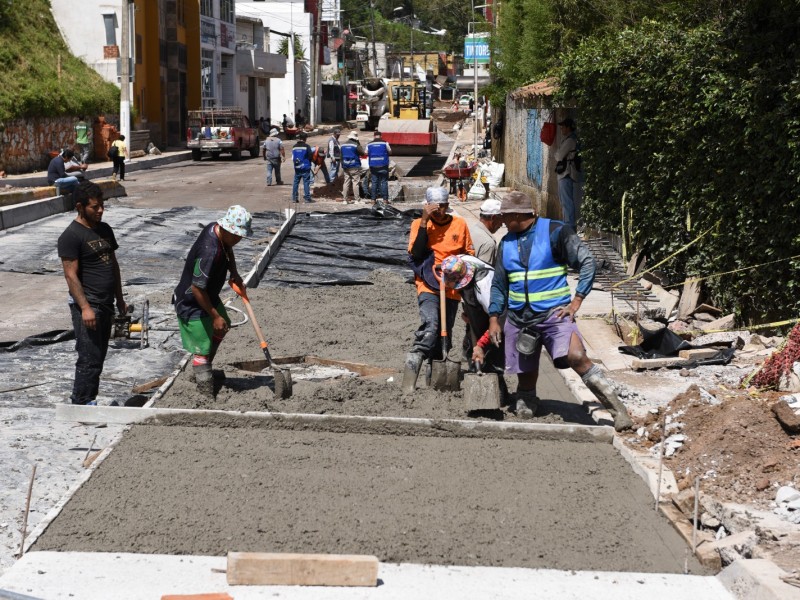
{"type": "Point", "coordinates": [218, 130]}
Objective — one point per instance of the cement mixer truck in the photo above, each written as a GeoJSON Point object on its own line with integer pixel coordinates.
{"type": "Point", "coordinates": [398, 109]}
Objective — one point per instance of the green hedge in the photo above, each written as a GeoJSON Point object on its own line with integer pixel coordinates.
{"type": "Point", "coordinates": [701, 128]}
{"type": "Point", "coordinates": [30, 47]}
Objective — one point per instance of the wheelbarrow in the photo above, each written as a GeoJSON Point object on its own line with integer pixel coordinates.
{"type": "Point", "coordinates": [457, 176]}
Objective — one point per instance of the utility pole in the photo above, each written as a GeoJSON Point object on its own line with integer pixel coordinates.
{"type": "Point", "coordinates": [313, 117]}
{"type": "Point", "coordinates": [374, 52]}
{"type": "Point", "coordinates": [125, 74]}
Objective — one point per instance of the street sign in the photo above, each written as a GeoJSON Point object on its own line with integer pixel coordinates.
{"type": "Point", "coordinates": [476, 49]}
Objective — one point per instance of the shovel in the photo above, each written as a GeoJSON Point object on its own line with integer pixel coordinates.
{"type": "Point", "coordinates": [444, 372]}
{"type": "Point", "coordinates": [282, 377]}
{"type": "Point", "coordinates": [481, 390]}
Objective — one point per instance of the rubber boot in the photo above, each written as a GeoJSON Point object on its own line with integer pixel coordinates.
{"type": "Point", "coordinates": [204, 380]}
{"type": "Point", "coordinates": [411, 372]}
{"type": "Point", "coordinates": [602, 388]}
{"type": "Point", "coordinates": [527, 404]}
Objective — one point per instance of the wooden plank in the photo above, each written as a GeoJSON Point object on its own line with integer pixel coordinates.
{"type": "Point", "coordinates": [654, 363]}
{"type": "Point", "coordinates": [698, 353]}
{"type": "Point", "coordinates": [263, 568]}
{"type": "Point", "coordinates": [689, 299]}
{"type": "Point", "coordinates": [706, 553]}
{"type": "Point", "coordinates": [146, 387]}
{"type": "Point", "coordinates": [216, 596]}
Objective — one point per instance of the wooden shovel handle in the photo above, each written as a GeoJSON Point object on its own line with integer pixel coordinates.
{"type": "Point", "coordinates": [442, 308]}
{"type": "Point", "coordinates": [251, 314]}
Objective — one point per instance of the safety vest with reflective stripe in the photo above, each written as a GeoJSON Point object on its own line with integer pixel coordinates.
{"type": "Point", "coordinates": [378, 153]}
{"type": "Point", "coordinates": [350, 158]}
{"type": "Point", "coordinates": [542, 283]}
{"type": "Point", "coordinates": [300, 157]}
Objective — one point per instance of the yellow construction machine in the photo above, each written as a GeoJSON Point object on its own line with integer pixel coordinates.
{"type": "Point", "coordinates": [408, 128]}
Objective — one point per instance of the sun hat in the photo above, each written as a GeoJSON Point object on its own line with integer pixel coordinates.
{"type": "Point", "coordinates": [237, 221]}
{"type": "Point", "coordinates": [437, 195]}
{"type": "Point", "coordinates": [273, 132]}
{"type": "Point", "coordinates": [457, 273]}
{"type": "Point", "coordinates": [490, 207]}
{"type": "Point", "coordinates": [516, 202]}
{"type": "Point", "coordinates": [353, 136]}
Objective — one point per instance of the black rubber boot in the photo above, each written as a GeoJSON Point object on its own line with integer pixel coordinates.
{"type": "Point", "coordinates": [411, 372]}
{"type": "Point", "coordinates": [602, 388]}
{"type": "Point", "coordinates": [527, 404]}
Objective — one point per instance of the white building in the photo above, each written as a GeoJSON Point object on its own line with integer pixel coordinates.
{"type": "Point", "coordinates": [286, 19]}
{"type": "Point", "coordinates": [255, 66]}
{"type": "Point", "coordinates": [217, 53]}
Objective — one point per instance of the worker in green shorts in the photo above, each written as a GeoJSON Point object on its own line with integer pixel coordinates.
{"type": "Point", "coordinates": [202, 318]}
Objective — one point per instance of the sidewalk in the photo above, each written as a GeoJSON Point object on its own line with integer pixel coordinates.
{"type": "Point", "coordinates": [103, 169]}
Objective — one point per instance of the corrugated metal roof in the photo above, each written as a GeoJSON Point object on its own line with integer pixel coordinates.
{"type": "Point", "coordinates": [545, 87]}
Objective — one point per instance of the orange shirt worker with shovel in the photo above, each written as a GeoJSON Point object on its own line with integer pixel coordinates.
{"type": "Point", "coordinates": [434, 236]}
{"type": "Point", "coordinates": [202, 319]}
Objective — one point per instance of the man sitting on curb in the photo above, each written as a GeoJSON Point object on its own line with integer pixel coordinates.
{"type": "Point", "coordinates": [57, 172]}
{"type": "Point", "coordinates": [530, 286]}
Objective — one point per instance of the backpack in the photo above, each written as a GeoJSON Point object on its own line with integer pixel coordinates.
{"type": "Point", "coordinates": [113, 152]}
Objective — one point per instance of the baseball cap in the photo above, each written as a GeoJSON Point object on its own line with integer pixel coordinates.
{"type": "Point", "coordinates": [237, 221]}
{"type": "Point", "coordinates": [490, 207]}
{"type": "Point", "coordinates": [337, 130]}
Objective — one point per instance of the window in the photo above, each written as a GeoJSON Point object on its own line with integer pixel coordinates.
{"type": "Point", "coordinates": [110, 22]}
{"type": "Point", "coordinates": [207, 8]}
{"type": "Point", "coordinates": [207, 73]}
{"type": "Point", "coordinates": [226, 10]}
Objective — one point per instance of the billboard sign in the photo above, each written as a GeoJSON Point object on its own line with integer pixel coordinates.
{"type": "Point", "coordinates": [476, 49]}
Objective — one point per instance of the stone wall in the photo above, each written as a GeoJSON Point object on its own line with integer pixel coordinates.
{"type": "Point", "coordinates": [25, 144]}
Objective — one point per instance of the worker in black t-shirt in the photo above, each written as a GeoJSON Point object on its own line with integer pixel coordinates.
{"type": "Point", "coordinates": [87, 251]}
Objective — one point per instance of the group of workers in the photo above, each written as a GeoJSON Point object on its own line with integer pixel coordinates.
{"type": "Point", "coordinates": [345, 157]}
{"type": "Point", "coordinates": [515, 295]}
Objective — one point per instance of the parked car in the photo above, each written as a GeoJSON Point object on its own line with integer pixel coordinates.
{"type": "Point", "coordinates": [464, 101]}
{"type": "Point", "coordinates": [220, 130]}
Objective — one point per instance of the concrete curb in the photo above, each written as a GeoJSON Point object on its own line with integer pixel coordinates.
{"type": "Point", "coordinates": [757, 579]}
{"type": "Point", "coordinates": [14, 215]}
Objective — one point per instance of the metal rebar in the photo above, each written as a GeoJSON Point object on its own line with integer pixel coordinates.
{"type": "Point", "coordinates": [696, 507]}
{"type": "Point", "coordinates": [27, 510]}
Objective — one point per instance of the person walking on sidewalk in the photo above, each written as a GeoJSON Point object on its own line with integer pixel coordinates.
{"type": "Point", "coordinates": [202, 318]}
{"type": "Point", "coordinates": [378, 152]}
{"type": "Point", "coordinates": [87, 249]}
{"type": "Point", "coordinates": [335, 152]}
{"type": "Point", "coordinates": [274, 155]}
{"type": "Point", "coordinates": [434, 236]}
{"type": "Point", "coordinates": [530, 286]}
{"type": "Point", "coordinates": [82, 139]}
{"type": "Point", "coordinates": [351, 165]}
{"type": "Point", "coordinates": [301, 158]}
{"type": "Point", "coordinates": [118, 153]}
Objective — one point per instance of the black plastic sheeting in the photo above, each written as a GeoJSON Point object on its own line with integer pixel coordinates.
{"type": "Point", "coordinates": [342, 248]}
{"type": "Point", "coordinates": [153, 243]}
{"type": "Point", "coordinates": [41, 339]}
{"type": "Point", "coordinates": [665, 343]}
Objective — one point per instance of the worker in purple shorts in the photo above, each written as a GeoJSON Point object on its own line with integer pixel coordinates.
{"type": "Point", "coordinates": [530, 286]}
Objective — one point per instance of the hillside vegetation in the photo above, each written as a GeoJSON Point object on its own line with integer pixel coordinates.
{"type": "Point", "coordinates": [30, 86]}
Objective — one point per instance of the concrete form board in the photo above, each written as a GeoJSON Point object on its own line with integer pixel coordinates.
{"type": "Point", "coordinates": [99, 576]}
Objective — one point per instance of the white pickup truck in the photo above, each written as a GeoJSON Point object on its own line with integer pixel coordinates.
{"type": "Point", "coordinates": [220, 130]}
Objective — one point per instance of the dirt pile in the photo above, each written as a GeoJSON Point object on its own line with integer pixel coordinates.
{"type": "Point", "coordinates": [730, 439]}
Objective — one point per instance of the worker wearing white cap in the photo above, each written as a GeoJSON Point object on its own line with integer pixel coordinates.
{"type": "Point", "coordinates": [433, 237]}
{"type": "Point", "coordinates": [483, 230]}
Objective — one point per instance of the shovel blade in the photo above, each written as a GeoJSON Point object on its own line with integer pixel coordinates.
{"type": "Point", "coordinates": [283, 382]}
{"type": "Point", "coordinates": [445, 375]}
{"type": "Point", "coordinates": [481, 392]}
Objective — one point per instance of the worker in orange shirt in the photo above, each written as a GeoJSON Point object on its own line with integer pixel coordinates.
{"type": "Point", "coordinates": [318, 160]}
{"type": "Point", "coordinates": [434, 236]}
